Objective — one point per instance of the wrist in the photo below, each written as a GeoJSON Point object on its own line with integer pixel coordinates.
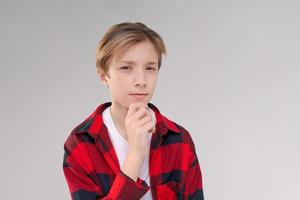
{"type": "Point", "coordinates": [132, 165]}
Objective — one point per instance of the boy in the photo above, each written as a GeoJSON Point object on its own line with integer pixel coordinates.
{"type": "Point", "coordinates": [126, 149]}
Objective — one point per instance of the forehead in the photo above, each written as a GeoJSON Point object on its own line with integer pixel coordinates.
{"type": "Point", "coordinates": [139, 52]}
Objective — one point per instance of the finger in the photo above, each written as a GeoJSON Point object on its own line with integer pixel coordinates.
{"type": "Point", "coordinates": [148, 126]}
{"type": "Point", "coordinates": [141, 105]}
{"type": "Point", "coordinates": [141, 113]}
{"type": "Point", "coordinates": [144, 120]}
{"type": "Point", "coordinates": [133, 108]}
{"type": "Point", "coordinates": [153, 129]}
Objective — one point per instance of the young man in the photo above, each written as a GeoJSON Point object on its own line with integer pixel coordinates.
{"type": "Point", "coordinates": [126, 149]}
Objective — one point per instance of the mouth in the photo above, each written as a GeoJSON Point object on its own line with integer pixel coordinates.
{"type": "Point", "coordinates": [139, 94]}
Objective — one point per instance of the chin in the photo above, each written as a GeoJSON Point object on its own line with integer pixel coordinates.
{"type": "Point", "coordinates": [145, 101]}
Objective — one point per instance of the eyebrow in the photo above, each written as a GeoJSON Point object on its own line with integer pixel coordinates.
{"type": "Point", "coordinates": [132, 62]}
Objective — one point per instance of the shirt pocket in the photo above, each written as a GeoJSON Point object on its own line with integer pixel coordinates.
{"type": "Point", "coordinates": [168, 191]}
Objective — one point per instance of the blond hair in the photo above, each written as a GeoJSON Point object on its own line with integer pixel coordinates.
{"type": "Point", "coordinates": [120, 37]}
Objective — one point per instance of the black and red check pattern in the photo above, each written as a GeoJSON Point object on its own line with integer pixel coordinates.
{"type": "Point", "coordinates": [92, 170]}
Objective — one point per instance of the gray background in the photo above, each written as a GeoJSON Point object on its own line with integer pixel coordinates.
{"type": "Point", "coordinates": [232, 74]}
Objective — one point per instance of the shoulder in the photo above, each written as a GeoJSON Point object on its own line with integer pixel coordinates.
{"type": "Point", "coordinates": [178, 131]}
{"type": "Point", "coordinates": [79, 134]}
{"type": "Point", "coordinates": [77, 148]}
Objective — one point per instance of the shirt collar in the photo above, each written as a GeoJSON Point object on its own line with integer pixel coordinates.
{"type": "Point", "coordinates": [93, 124]}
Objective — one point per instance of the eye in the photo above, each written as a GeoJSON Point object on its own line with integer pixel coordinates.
{"type": "Point", "coordinates": [125, 67]}
{"type": "Point", "coordinates": [151, 68]}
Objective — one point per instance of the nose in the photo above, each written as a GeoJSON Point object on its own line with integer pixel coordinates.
{"type": "Point", "coordinates": [140, 80]}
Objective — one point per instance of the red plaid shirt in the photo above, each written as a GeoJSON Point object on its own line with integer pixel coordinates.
{"type": "Point", "coordinates": [92, 170]}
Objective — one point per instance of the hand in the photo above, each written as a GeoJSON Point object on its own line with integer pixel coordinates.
{"type": "Point", "coordinates": [139, 124]}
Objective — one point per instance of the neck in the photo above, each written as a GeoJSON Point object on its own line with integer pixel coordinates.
{"type": "Point", "coordinates": [118, 114]}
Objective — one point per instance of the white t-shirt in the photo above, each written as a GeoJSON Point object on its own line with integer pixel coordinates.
{"type": "Point", "coordinates": [120, 145]}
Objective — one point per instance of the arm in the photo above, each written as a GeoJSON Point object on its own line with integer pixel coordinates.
{"type": "Point", "coordinates": [193, 188]}
{"type": "Point", "coordinates": [82, 187]}
{"type": "Point", "coordinates": [132, 164]}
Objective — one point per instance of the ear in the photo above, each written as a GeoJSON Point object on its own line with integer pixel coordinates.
{"type": "Point", "coordinates": [102, 76]}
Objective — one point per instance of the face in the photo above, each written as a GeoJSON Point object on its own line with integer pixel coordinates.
{"type": "Point", "coordinates": [133, 76]}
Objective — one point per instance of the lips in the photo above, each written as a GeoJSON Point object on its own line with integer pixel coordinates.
{"type": "Point", "coordinates": [138, 94]}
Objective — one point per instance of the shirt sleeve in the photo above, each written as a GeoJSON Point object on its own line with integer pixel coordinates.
{"type": "Point", "coordinates": [82, 187]}
{"type": "Point", "coordinates": [194, 185]}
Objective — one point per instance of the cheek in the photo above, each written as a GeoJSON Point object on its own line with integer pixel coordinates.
{"type": "Point", "coordinates": [152, 81]}
{"type": "Point", "coordinates": [121, 84]}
